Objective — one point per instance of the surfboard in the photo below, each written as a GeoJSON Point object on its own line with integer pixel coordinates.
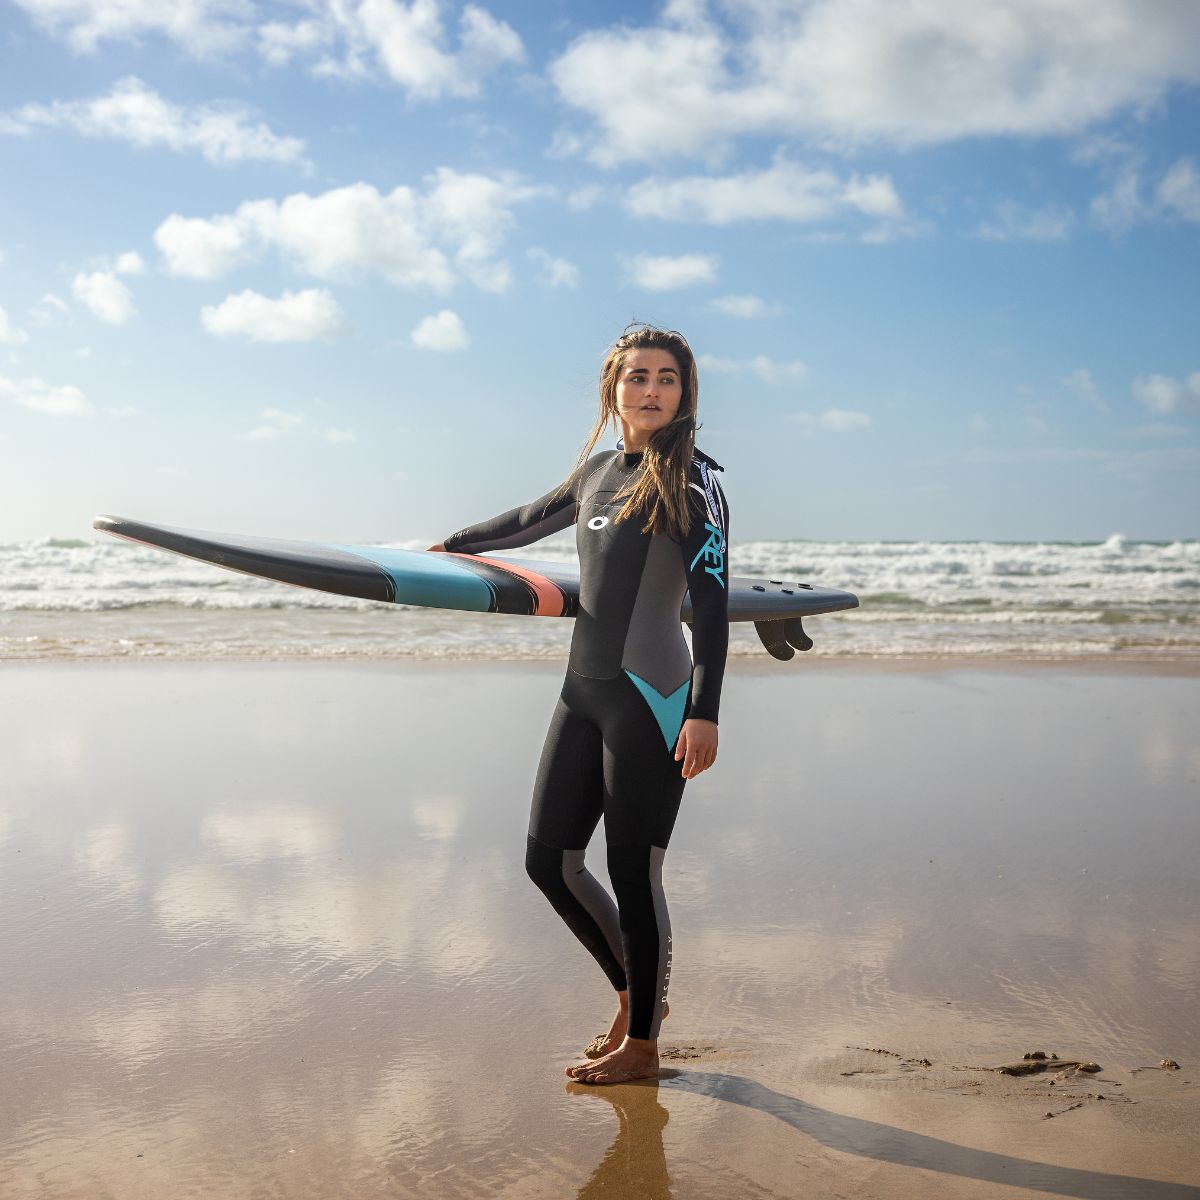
{"type": "Point", "coordinates": [468, 582]}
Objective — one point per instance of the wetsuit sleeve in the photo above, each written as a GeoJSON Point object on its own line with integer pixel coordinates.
{"type": "Point", "coordinates": [705, 559]}
{"type": "Point", "coordinates": [529, 523]}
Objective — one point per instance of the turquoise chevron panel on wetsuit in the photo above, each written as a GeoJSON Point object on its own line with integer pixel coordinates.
{"type": "Point", "coordinates": [434, 580]}
{"type": "Point", "coordinates": [668, 710]}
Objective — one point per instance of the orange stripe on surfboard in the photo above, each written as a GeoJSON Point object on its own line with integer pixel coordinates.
{"type": "Point", "coordinates": [548, 597]}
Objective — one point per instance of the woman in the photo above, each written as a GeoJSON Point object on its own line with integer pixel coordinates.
{"type": "Point", "coordinates": [652, 524]}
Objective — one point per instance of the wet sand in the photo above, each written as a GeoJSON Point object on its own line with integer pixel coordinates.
{"type": "Point", "coordinates": [265, 932]}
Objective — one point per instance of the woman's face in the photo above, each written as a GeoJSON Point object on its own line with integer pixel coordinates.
{"type": "Point", "coordinates": [649, 392]}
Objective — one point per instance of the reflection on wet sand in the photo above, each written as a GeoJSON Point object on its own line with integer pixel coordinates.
{"type": "Point", "coordinates": [311, 962]}
{"type": "Point", "coordinates": [635, 1164]}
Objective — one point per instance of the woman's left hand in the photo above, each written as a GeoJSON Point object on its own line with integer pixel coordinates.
{"type": "Point", "coordinates": [697, 746]}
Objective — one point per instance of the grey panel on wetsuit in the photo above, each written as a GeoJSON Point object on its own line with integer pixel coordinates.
{"type": "Point", "coordinates": [663, 920]}
{"type": "Point", "coordinates": [612, 555]}
{"type": "Point", "coordinates": [590, 893]}
{"type": "Point", "coordinates": [654, 644]}
{"type": "Point", "coordinates": [631, 585]}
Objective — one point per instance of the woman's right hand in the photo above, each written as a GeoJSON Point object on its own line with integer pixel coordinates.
{"type": "Point", "coordinates": [437, 546]}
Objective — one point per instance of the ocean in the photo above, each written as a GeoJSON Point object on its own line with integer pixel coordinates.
{"type": "Point", "coordinates": [104, 599]}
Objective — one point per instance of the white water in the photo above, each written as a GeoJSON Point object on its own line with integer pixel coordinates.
{"type": "Point", "coordinates": [102, 598]}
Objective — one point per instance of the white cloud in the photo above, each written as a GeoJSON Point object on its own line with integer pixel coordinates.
{"type": "Point", "coordinates": [307, 316]}
{"type": "Point", "coordinates": [1121, 206]}
{"type": "Point", "coordinates": [203, 249]}
{"type": "Point", "coordinates": [746, 307]}
{"type": "Point", "coordinates": [893, 231]}
{"type": "Point", "coordinates": [455, 228]}
{"type": "Point", "coordinates": [1035, 422]}
{"type": "Point", "coordinates": [833, 420]}
{"type": "Point", "coordinates": [407, 41]}
{"type": "Point", "coordinates": [1164, 394]}
{"type": "Point", "coordinates": [766, 369]}
{"type": "Point", "coordinates": [980, 424]}
{"type": "Point", "coordinates": [48, 308]}
{"type": "Point", "coordinates": [443, 331]}
{"type": "Point", "coordinates": [135, 113]}
{"type": "Point", "coordinates": [121, 412]}
{"type": "Point", "coordinates": [1130, 198]}
{"type": "Point", "coordinates": [105, 296]}
{"type": "Point", "coordinates": [403, 41]}
{"type": "Point", "coordinates": [274, 423]}
{"type": "Point", "coordinates": [784, 191]}
{"type": "Point", "coordinates": [584, 198]}
{"type": "Point", "coordinates": [555, 272]}
{"type": "Point", "coordinates": [472, 212]}
{"type": "Point", "coordinates": [54, 400]}
{"type": "Point", "coordinates": [661, 273]}
{"type": "Point", "coordinates": [10, 335]}
{"type": "Point", "coordinates": [130, 263]}
{"type": "Point", "coordinates": [200, 27]}
{"type": "Point", "coordinates": [1010, 222]}
{"type": "Point", "coordinates": [279, 42]}
{"type": "Point", "coordinates": [855, 71]}
{"type": "Point", "coordinates": [1080, 381]}
{"type": "Point", "coordinates": [1179, 190]}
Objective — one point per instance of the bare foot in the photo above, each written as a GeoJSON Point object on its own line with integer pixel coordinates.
{"type": "Point", "coordinates": [606, 1043]}
{"type": "Point", "coordinates": [635, 1058]}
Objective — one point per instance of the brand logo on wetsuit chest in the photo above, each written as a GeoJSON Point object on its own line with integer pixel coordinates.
{"type": "Point", "coordinates": [712, 552]}
{"type": "Point", "coordinates": [597, 522]}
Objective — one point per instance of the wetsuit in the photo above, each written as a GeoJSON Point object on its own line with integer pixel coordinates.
{"type": "Point", "coordinates": [630, 685]}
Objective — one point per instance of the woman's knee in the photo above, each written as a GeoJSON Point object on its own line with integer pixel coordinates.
{"type": "Point", "coordinates": [629, 869]}
{"type": "Point", "coordinates": [543, 864]}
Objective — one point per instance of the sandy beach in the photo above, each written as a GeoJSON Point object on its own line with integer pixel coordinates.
{"type": "Point", "coordinates": [266, 933]}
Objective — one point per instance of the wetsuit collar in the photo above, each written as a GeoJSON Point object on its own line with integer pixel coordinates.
{"type": "Point", "coordinates": [627, 459]}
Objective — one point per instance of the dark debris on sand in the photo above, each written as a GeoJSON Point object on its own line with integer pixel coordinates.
{"type": "Point", "coordinates": [685, 1052]}
{"type": "Point", "coordinates": [1034, 1062]}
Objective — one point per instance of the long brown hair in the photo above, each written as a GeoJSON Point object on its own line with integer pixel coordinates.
{"type": "Point", "coordinates": [660, 491]}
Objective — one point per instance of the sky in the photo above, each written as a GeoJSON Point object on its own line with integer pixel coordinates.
{"type": "Point", "coordinates": [346, 269]}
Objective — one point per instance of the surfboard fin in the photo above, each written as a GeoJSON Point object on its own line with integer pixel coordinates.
{"type": "Point", "coordinates": [783, 638]}
{"type": "Point", "coordinates": [793, 630]}
{"type": "Point", "coordinates": [770, 633]}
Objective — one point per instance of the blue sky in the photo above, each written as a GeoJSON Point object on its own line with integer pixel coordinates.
{"type": "Point", "coordinates": [347, 270]}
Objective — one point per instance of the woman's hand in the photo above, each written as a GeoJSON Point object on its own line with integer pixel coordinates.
{"type": "Point", "coordinates": [697, 746]}
{"type": "Point", "coordinates": [437, 546]}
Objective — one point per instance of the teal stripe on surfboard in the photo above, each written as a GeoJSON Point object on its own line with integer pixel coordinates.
{"type": "Point", "coordinates": [436, 581]}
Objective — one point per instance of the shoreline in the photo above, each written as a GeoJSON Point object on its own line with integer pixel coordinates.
{"type": "Point", "coordinates": [740, 665]}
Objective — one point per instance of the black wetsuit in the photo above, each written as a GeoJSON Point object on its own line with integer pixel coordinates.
{"type": "Point", "coordinates": [630, 685]}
